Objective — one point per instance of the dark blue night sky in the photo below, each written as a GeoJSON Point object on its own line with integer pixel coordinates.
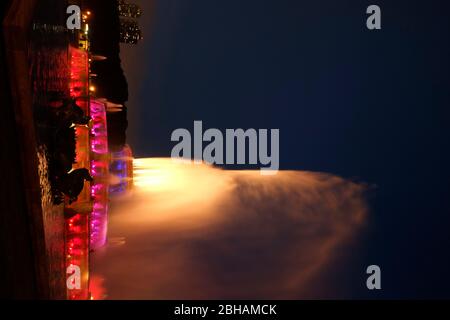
{"type": "Point", "coordinates": [366, 105]}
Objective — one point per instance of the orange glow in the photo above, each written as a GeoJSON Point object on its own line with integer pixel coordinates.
{"type": "Point", "coordinates": [191, 228]}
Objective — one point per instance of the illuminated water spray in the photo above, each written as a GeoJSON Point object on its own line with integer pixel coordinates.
{"type": "Point", "coordinates": [193, 231]}
{"type": "Point", "coordinates": [100, 173]}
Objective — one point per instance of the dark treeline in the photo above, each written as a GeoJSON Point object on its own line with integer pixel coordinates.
{"type": "Point", "coordinates": [110, 82]}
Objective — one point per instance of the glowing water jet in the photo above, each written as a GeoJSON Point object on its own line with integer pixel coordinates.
{"type": "Point", "coordinates": [195, 231]}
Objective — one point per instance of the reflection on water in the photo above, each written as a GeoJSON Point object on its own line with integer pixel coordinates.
{"type": "Point", "coordinates": [194, 231]}
{"type": "Point", "coordinates": [48, 70]}
{"type": "Point", "coordinates": [53, 218]}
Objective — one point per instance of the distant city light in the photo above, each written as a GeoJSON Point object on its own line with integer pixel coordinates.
{"type": "Point", "coordinates": [129, 31]}
{"type": "Point", "coordinates": [129, 10]}
{"type": "Point", "coordinates": [129, 28]}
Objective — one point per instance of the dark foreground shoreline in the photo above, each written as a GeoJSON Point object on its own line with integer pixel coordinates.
{"type": "Point", "coordinates": [23, 264]}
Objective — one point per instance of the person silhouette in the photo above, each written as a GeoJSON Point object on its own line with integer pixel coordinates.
{"type": "Point", "coordinates": [72, 183]}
